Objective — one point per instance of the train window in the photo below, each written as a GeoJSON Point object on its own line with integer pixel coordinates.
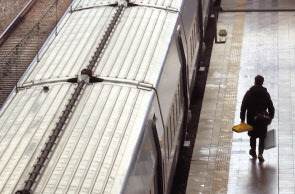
{"type": "Point", "coordinates": [171, 137]}
{"type": "Point", "coordinates": [191, 43]}
{"type": "Point", "coordinates": [168, 144]}
{"type": "Point", "coordinates": [194, 41]}
{"type": "Point", "coordinates": [164, 175]}
{"type": "Point", "coordinates": [179, 98]}
{"type": "Point", "coordinates": [174, 112]}
{"type": "Point", "coordinates": [196, 34]}
{"type": "Point", "coordinates": [177, 106]}
{"type": "Point", "coordinates": [195, 30]}
{"type": "Point", "coordinates": [193, 48]}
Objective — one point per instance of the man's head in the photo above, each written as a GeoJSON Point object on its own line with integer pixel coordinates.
{"type": "Point", "coordinates": [259, 80]}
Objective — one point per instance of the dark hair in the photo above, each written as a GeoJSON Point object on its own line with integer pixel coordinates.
{"type": "Point", "coordinates": [259, 80]}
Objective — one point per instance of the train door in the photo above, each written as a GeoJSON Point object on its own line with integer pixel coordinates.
{"type": "Point", "coordinates": [158, 134]}
{"type": "Point", "coordinates": [185, 82]}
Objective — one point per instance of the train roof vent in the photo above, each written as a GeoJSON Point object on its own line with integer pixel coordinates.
{"type": "Point", "coordinates": [85, 77]}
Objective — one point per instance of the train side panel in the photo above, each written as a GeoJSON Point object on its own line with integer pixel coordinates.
{"type": "Point", "coordinates": [141, 177]}
{"type": "Point", "coordinates": [191, 17]}
{"type": "Point", "coordinates": [170, 88]}
{"type": "Point", "coordinates": [170, 91]}
{"type": "Point", "coordinates": [168, 107]}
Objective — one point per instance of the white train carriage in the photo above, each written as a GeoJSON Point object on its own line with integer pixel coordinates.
{"type": "Point", "coordinates": [124, 130]}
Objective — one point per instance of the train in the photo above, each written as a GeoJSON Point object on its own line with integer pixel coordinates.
{"type": "Point", "coordinates": [103, 107]}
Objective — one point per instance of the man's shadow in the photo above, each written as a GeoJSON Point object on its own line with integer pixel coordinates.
{"type": "Point", "coordinates": [263, 177]}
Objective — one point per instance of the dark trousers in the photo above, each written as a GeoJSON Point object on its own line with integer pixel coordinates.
{"type": "Point", "coordinates": [261, 144]}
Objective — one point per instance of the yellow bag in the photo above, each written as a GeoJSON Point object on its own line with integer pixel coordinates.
{"type": "Point", "coordinates": [242, 128]}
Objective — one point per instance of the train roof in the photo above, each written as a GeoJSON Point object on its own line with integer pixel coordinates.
{"type": "Point", "coordinates": [100, 134]}
{"type": "Point", "coordinates": [94, 150]}
{"type": "Point", "coordinates": [176, 4]}
{"type": "Point", "coordinates": [136, 50]}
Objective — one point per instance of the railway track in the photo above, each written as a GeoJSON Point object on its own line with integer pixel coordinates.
{"type": "Point", "coordinates": [9, 10]}
{"type": "Point", "coordinates": [24, 41]}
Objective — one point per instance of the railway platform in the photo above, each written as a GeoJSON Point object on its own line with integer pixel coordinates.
{"type": "Point", "coordinates": [258, 42]}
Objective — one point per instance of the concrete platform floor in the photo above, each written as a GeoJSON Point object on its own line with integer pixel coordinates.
{"type": "Point", "coordinates": [257, 43]}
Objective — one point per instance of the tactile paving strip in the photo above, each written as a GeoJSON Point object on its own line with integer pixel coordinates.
{"type": "Point", "coordinates": [223, 154]}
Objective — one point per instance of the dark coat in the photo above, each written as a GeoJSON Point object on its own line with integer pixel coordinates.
{"type": "Point", "coordinates": [257, 100]}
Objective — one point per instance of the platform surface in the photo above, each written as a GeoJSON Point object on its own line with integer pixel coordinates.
{"type": "Point", "coordinates": [257, 43]}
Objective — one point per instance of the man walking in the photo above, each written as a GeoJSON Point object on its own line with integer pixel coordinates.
{"type": "Point", "coordinates": [260, 112]}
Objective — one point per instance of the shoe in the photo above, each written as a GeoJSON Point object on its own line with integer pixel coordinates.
{"type": "Point", "coordinates": [260, 158]}
{"type": "Point", "coordinates": [253, 153]}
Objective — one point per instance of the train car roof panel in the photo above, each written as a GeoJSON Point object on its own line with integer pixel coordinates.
{"type": "Point", "coordinates": [175, 4]}
{"type": "Point", "coordinates": [139, 45]}
{"type": "Point", "coordinates": [72, 49]}
{"type": "Point", "coordinates": [92, 3]}
{"type": "Point", "coordinates": [25, 126]}
{"type": "Point", "coordinates": [136, 50]}
{"type": "Point", "coordinates": [96, 147]}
